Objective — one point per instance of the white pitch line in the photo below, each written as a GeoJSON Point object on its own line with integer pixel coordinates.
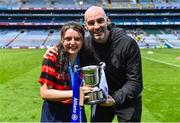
{"type": "Point", "coordinates": [161, 61]}
{"type": "Point", "coordinates": [147, 115]}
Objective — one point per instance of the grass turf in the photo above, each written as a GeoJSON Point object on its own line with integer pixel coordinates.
{"type": "Point", "coordinates": [19, 91]}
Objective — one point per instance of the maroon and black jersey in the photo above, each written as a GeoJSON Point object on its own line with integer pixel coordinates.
{"type": "Point", "coordinates": [51, 76]}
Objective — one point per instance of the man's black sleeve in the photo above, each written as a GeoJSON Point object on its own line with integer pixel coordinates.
{"type": "Point", "coordinates": [133, 87]}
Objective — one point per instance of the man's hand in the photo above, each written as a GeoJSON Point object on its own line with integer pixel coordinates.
{"type": "Point", "coordinates": [109, 101]}
{"type": "Point", "coordinates": [50, 51]}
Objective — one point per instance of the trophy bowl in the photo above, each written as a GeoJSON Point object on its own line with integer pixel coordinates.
{"type": "Point", "coordinates": [91, 78]}
{"type": "Point", "coordinates": [90, 75]}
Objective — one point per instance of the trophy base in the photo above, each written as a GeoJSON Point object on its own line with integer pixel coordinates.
{"type": "Point", "coordinates": [93, 102]}
{"type": "Point", "coordinates": [94, 97]}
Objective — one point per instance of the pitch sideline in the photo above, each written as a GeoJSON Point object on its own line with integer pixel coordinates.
{"type": "Point", "coordinates": [147, 115]}
{"type": "Point", "coordinates": [155, 60]}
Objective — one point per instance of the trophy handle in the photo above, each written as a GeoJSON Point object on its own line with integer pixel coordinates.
{"type": "Point", "coordinates": [102, 65]}
{"type": "Point", "coordinates": [76, 68]}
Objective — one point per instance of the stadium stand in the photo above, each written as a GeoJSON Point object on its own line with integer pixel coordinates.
{"type": "Point", "coordinates": [53, 39]}
{"type": "Point", "coordinates": [32, 23]}
{"type": "Point", "coordinates": [8, 37]}
{"type": "Point", "coordinates": [30, 38]}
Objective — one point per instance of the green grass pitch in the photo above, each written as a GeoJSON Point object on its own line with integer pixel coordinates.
{"type": "Point", "coordinates": [19, 91]}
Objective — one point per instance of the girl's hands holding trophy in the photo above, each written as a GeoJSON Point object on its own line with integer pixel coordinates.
{"type": "Point", "coordinates": [84, 90]}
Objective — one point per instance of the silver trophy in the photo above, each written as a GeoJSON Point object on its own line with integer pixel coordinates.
{"type": "Point", "coordinates": [91, 78]}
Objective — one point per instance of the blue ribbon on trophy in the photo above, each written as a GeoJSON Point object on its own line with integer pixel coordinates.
{"type": "Point", "coordinates": [75, 83]}
{"type": "Point", "coordinates": [76, 108]}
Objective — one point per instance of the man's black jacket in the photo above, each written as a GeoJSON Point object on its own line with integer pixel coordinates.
{"type": "Point", "coordinates": [123, 64]}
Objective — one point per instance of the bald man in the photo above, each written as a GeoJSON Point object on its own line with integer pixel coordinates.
{"type": "Point", "coordinates": [123, 67]}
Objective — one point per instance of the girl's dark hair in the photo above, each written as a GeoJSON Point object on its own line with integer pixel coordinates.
{"type": "Point", "coordinates": [63, 56]}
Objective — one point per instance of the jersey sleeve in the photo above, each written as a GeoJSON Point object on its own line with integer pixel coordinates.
{"type": "Point", "coordinates": [48, 71]}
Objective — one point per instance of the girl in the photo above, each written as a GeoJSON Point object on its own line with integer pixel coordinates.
{"type": "Point", "coordinates": [55, 81]}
